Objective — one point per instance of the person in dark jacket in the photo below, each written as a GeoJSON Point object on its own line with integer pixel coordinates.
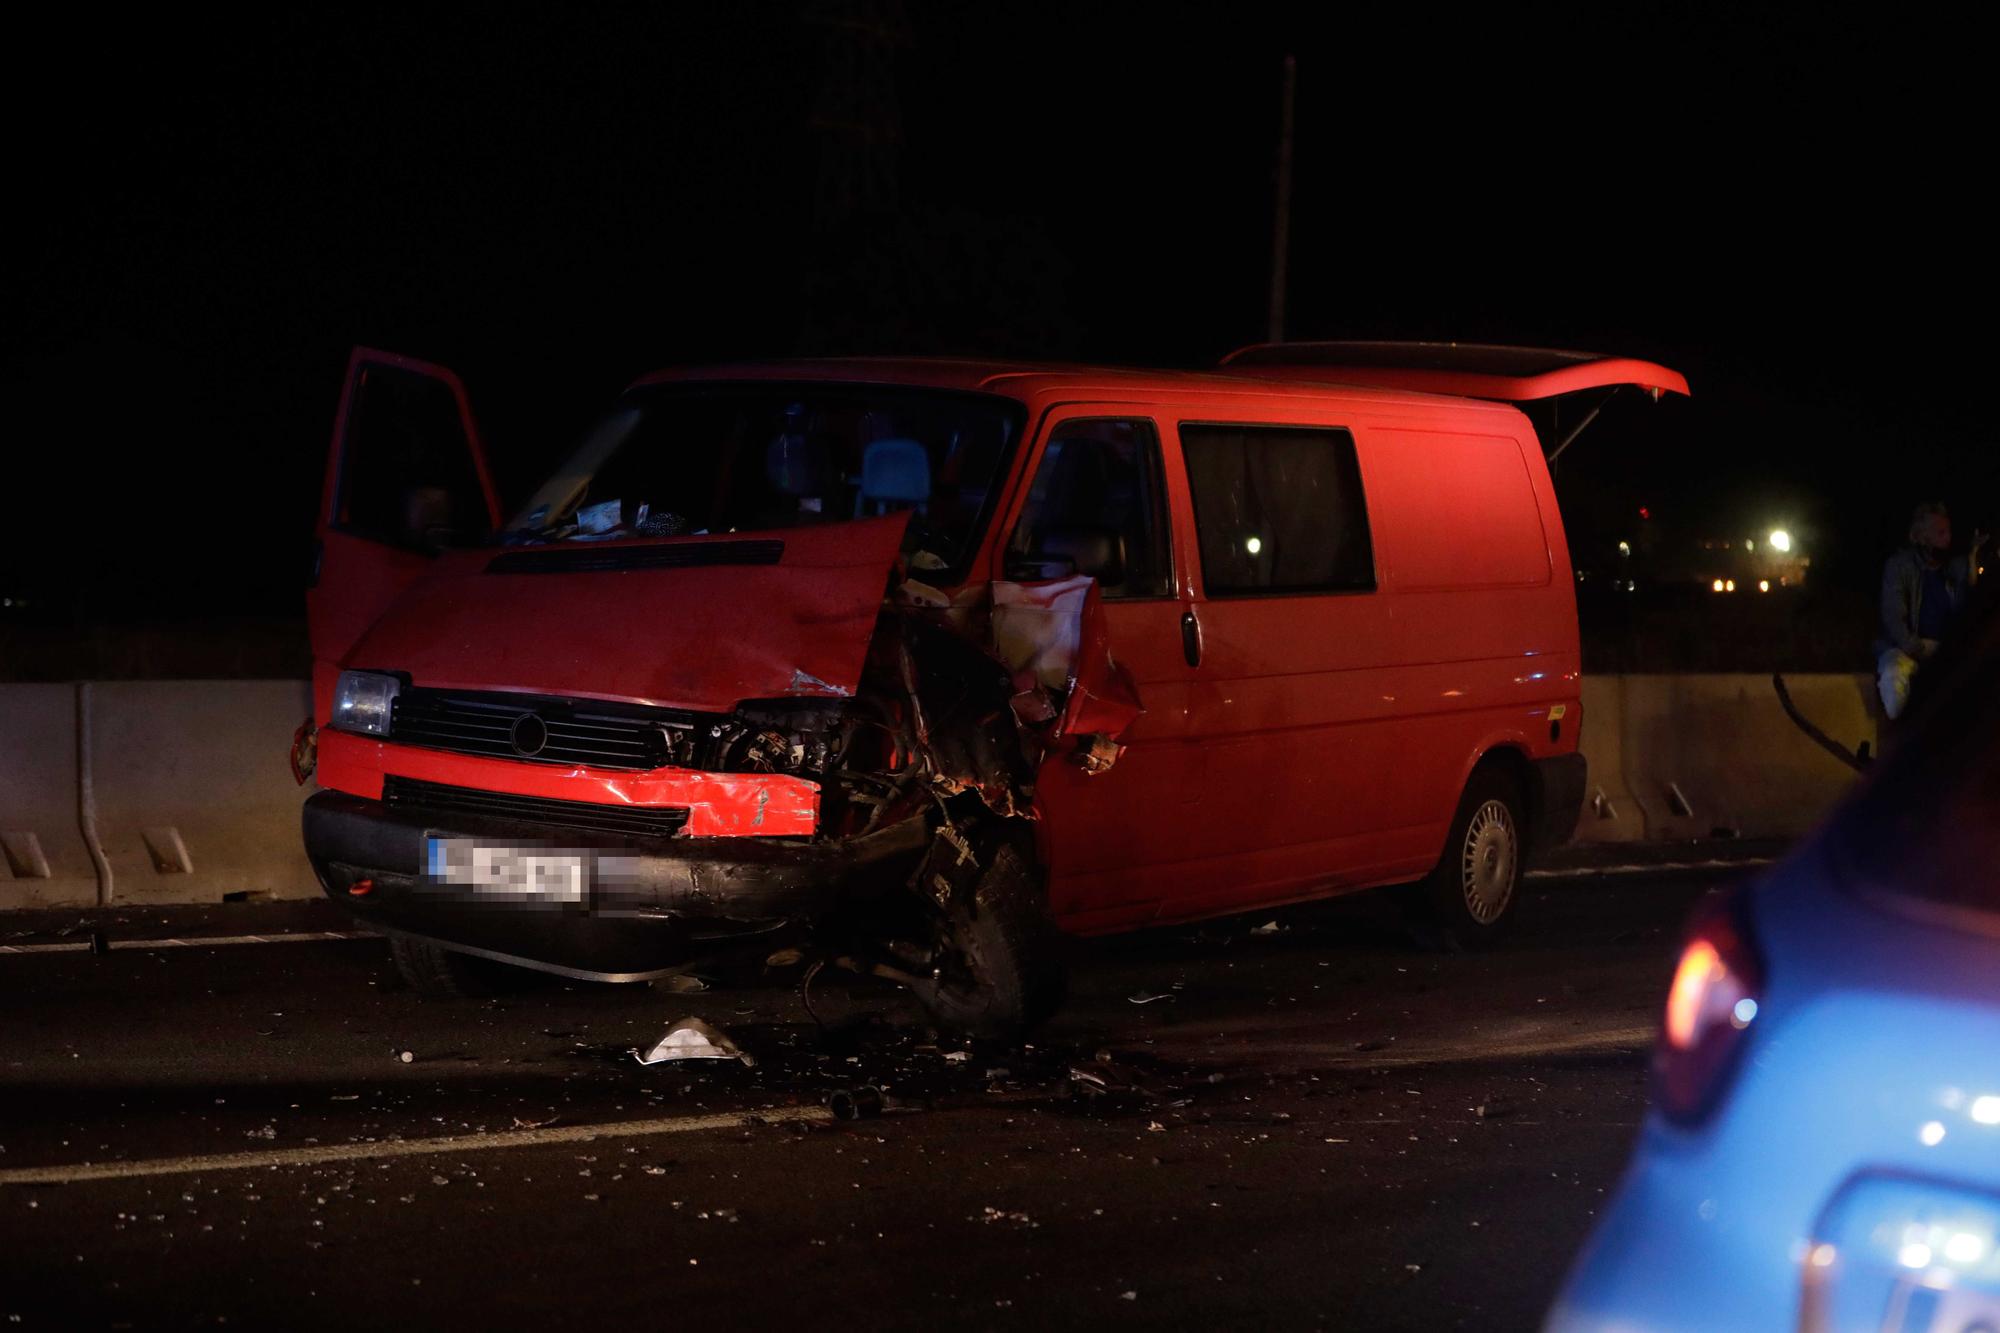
{"type": "Point", "coordinates": [1922, 588]}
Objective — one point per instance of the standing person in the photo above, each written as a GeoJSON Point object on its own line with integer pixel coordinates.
{"type": "Point", "coordinates": [1922, 588]}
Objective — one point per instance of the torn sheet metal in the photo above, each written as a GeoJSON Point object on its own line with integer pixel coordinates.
{"type": "Point", "coordinates": [1057, 631]}
{"type": "Point", "coordinates": [806, 683]}
{"type": "Point", "coordinates": [1038, 627]}
{"type": "Point", "coordinates": [692, 1039]}
{"type": "Point", "coordinates": [1057, 686]}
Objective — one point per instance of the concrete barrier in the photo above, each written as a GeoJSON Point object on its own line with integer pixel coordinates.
{"type": "Point", "coordinates": [1611, 811]}
{"type": "Point", "coordinates": [43, 859]}
{"type": "Point", "coordinates": [192, 800]}
{"type": "Point", "coordinates": [1697, 756]}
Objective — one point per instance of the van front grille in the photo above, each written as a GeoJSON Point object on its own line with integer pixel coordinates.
{"type": "Point", "coordinates": [545, 731]}
{"type": "Point", "coordinates": [628, 820]}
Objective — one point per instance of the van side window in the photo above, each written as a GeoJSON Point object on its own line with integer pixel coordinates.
{"type": "Point", "coordinates": [1097, 506]}
{"type": "Point", "coordinates": [406, 474]}
{"type": "Point", "coordinates": [1277, 509]}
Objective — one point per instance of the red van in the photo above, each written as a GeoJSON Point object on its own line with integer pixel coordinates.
{"type": "Point", "coordinates": [914, 666]}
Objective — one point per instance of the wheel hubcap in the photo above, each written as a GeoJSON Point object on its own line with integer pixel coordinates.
{"type": "Point", "coordinates": [1487, 863]}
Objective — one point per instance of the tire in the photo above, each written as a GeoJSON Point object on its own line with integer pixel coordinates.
{"type": "Point", "coordinates": [1007, 976]}
{"type": "Point", "coordinates": [1468, 900]}
{"type": "Point", "coordinates": [433, 970]}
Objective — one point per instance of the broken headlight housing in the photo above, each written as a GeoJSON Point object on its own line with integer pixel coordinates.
{"type": "Point", "coordinates": [363, 700]}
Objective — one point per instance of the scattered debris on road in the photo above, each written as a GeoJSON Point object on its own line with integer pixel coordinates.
{"type": "Point", "coordinates": [692, 1039]}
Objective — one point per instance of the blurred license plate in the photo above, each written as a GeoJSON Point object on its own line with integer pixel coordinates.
{"type": "Point", "coordinates": [519, 872]}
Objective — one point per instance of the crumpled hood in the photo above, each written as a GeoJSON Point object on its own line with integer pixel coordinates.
{"type": "Point", "coordinates": [693, 622]}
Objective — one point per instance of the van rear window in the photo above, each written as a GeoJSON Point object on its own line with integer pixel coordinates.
{"type": "Point", "coordinates": [1464, 514]}
{"type": "Point", "coordinates": [1277, 509]}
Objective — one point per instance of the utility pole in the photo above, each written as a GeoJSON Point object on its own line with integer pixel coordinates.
{"type": "Point", "coordinates": [1281, 226]}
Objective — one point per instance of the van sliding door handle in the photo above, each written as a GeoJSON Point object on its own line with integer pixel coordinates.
{"type": "Point", "coordinates": [1191, 638]}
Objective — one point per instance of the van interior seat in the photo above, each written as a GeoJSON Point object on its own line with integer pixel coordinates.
{"type": "Point", "coordinates": [894, 471]}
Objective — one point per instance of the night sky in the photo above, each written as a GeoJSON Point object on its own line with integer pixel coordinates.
{"type": "Point", "coordinates": [208, 211]}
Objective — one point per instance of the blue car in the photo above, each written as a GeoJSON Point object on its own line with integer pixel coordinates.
{"type": "Point", "coordinates": [1824, 1146]}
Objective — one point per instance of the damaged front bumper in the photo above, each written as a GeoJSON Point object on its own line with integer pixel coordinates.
{"type": "Point", "coordinates": [643, 907]}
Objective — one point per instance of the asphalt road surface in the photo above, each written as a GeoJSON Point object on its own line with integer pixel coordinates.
{"type": "Point", "coordinates": [1235, 1125]}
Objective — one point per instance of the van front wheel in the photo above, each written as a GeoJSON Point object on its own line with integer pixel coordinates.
{"type": "Point", "coordinates": [1001, 972]}
{"type": "Point", "coordinates": [447, 974]}
{"type": "Point", "coordinates": [1467, 901]}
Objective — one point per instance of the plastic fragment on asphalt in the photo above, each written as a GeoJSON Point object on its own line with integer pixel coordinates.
{"type": "Point", "coordinates": [692, 1039]}
{"type": "Point", "coordinates": [992, 1214]}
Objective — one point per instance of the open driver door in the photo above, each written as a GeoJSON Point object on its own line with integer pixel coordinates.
{"type": "Point", "coordinates": [405, 479]}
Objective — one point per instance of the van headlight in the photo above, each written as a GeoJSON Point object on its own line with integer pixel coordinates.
{"type": "Point", "coordinates": [362, 700]}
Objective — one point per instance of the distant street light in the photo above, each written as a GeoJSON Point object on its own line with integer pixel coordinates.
{"type": "Point", "coordinates": [1781, 540]}
{"type": "Point", "coordinates": [1763, 585]}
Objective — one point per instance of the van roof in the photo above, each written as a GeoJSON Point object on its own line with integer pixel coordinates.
{"type": "Point", "coordinates": [1028, 379]}
{"type": "Point", "coordinates": [1471, 370]}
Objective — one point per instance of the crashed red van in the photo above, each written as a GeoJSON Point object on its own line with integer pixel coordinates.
{"type": "Point", "coordinates": [914, 666]}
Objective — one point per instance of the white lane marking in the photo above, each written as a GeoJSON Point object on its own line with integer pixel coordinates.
{"type": "Point", "coordinates": [368, 1152]}
{"type": "Point", "coordinates": [1609, 1039]}
{"type": "Point", "coordinates": [1473, 1048]}
{"type": "Point", "coordinates": [1657, 867]}
{"type": "Point", "coordinates": [197, 941]}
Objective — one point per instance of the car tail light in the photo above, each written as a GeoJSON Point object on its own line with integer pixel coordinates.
{"type": "Point", "coordinates": [1711, 1004]}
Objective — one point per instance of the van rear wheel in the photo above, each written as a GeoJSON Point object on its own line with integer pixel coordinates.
{"type": "Point", "coordinates": [1467, 901]}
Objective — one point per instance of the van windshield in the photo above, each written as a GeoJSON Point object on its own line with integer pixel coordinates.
{"type": "Point", "coordinates": [674, 460]}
